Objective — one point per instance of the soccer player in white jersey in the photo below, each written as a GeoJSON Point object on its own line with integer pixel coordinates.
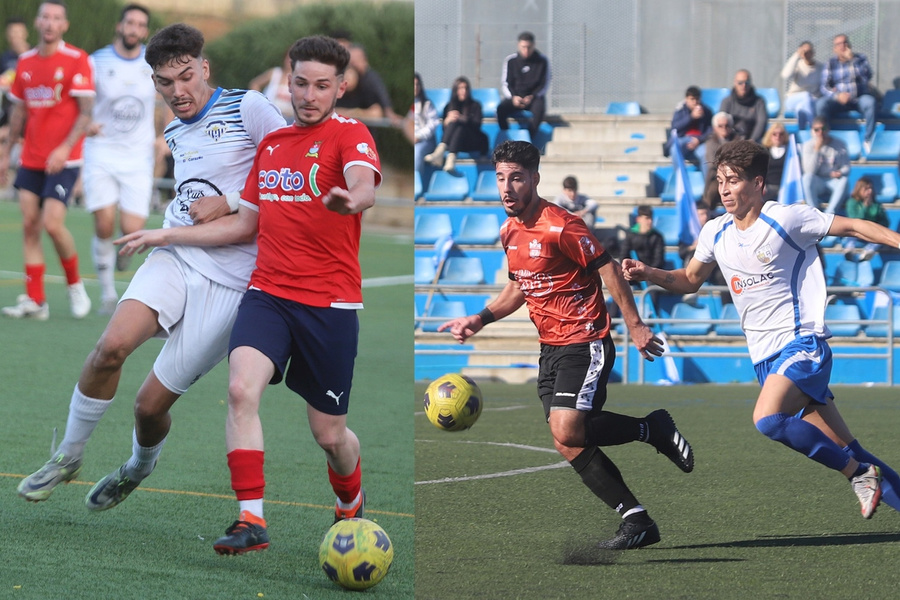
{"type": "Point", "coordinates": [305, 195]}
{"type": "Point", "coordinates": [767, 253]}
{"type": "Point", "coordinates": [187, 295]}
{"type": "Point", "coordinates": [119, 149]}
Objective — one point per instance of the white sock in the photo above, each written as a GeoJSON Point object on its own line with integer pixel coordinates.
{"type": "Point", "coordinates": [84, 414]}
{"type": "Point", "coordinates": [255, 507]}
{"type": "Point", "coordinates": [348, 506]}
{"type": "Point", "coordinates": [104, 255]}
{"type": "Point", "coordinates": [143, 459]}
{"type": "Point", "coordinates": [637, 509]}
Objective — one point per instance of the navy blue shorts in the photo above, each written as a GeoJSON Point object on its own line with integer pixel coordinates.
{"type": "Point", "coordinates": [58, 186]}
{"type": "Point", "coordinates": [319, 343]}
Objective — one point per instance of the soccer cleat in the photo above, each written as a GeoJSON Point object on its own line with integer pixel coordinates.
{"type": "Point", "coordinates": [27, 308]}
{"type": "Point", "coordinates": [110, 491]}
{"type": "Point", "coordinates": [123, 261]}
{"type": "Point", "coordinates": [633, 533]}
{"type": "Point", "coordinates": [868, 489]}
{"type": "Point", "coordinates": [79, 302]}
{"type": "Point", "coordinates": [666, 438]}
{"type": "Point", "coordinates": [39, 485]}
{"type": "Point", "coordinates": [247, 534]}
{"type": "Point", "coordinates": [351, 513]}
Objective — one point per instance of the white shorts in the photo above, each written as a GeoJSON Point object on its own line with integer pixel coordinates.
{"type": "Point", "coordinates": [195, 313]}
{"type": "Point", "coordinates": [130, 186]}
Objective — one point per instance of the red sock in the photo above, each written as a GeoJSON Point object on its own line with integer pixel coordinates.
{"type": "Point", "coordinates": [70, 266]}
{"type": "Point", "coordinates": [346, 487]}
{"type": "Point", "coordinates": [34, 282]}
{"type": "Point", "coordinates": [247, 478]}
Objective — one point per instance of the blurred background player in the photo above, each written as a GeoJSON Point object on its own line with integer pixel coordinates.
{"type": "Point", "coordinates": [17, 44]}
{"type": "Point", "coordinates": [119, 149]}
{"type": "Point", "coordinates": [54, 126]}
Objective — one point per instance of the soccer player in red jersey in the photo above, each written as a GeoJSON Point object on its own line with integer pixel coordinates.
{"type": "Point", "coordinates": [53, 93]}
{"type": "Point", "coordinates": [304, 198]}
{"type": "Point", "coordinates": [557, 267]}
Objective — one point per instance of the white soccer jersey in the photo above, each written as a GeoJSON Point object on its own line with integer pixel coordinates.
{"type": "Point", "coordinates": [213, 153]}
{"type": "Point", "coordinates": [776, 279]}
{"type": "Point", "coordinates": [124, 107]}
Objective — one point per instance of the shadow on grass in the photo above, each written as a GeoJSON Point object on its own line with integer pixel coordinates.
{"type": "Point", "coordinates": [775, 541]}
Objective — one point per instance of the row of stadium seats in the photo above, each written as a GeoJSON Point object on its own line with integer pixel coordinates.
{"type": "Point", "coordinates": [465, 267]}
{"type": "Point", "coordinates": [473, 228]}
{"type": "Point", "coordinates": [465, 181]}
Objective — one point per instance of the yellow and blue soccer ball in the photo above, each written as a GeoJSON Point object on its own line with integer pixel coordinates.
{"type": "Point", "coordinates": [453, 402]}
{"type": "Point", "coordinates": [356, 553]}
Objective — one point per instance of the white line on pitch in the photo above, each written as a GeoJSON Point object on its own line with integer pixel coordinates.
{"type": "Point", "coordinates": [499, 409]}
{"type": "Point", "coordinates": [559, 465]}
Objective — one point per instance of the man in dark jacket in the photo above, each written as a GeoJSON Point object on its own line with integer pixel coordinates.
{"type": "Point", "coordinates": [645, 241]}
{"type": "Point", "coordinates": [693, 122]}
{"type": "Point", "coordinates": [747, 108]}
{"type": "Point", "coordinates": [525, 81]}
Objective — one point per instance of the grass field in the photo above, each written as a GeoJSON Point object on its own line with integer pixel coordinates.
{"type": "Point", "coordinates": [158, 544]}
{"type": "Point", "coordinates": [500, 515]}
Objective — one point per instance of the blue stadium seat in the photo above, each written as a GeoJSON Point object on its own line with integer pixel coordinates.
{"type": "Point", "coordinates": [489, 98]}
{"type": "Point", "coordinates": [890, 104]}
{"type": "Point", "coordinates": [890, 276]}
{"type": "Point", "coordinates": [893, 215]}
{"type": "Point", "coordinates": [885, 145]}
{"type": "Point", "coordinates": [773, 101]}
{"type": "Point", "coordinates": [521, 135]}
{"type": "Point", "coordinates": [729, 312]}
{"type": "Point", "coordinates": [884, 179]}
{"type": "Point", "coordinates": [851, 138]}
{"type": "Point", "coordinates": [463, 270]}
{"type": "Point", "coordinates": [686, 311]}
{"type": "Point", "coordinates": [446, 310]}
{"type": "Point", "coordinates": [695, 179]}
{"type": "Point", "coordinates": [544, 135]}
{"type": "Point", "coordinates": [430, 226]}
{"type": "Point", "coordinates": [669, 225]}
{"type": "Point", "coordinates": [425, 270]}
{"type": "Point", "coordinates": [843, 312]}
{"type": "Point", "coordinates": [417, 192]}
{"type": "Point", "coordinates": [850, 272]}
{"type": "Point", "coordinates": [479, 228]}
{"type": "Point", "coordinates": [625, 109]}
{"type": "Point", "coordinates": [880, 313]}
{"type": "Point", "coordinates": [439, 97]}
{"type": "Point", "coordinates": [486, 187]}
{"type": "Point", "coordinates": [491, 129]}
{"type": "Point", "coordinates": [446, 186]}
{"type": "Point", "coordinates": [712, 97]}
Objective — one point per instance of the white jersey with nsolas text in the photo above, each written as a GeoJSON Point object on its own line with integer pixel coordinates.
{"type": "Point", "coordinates": [774, 273]}
{"type": "Point", "coordinates": [213, 153]}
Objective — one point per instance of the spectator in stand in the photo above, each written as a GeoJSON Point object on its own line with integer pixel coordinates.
{"type": "Point", "coordinates": [426, 122]}
{"type": "Point", "coordinates": [524, 84]}
{"type": "Point", "coordinates": [273, 83]}
{"type": "Point", "coordinates": [722, 131]}
{"type": "Point", "coordinates": [369, 98]}
{"type": "Point", "coordinates": [862, 205]}
{"type": "Point", "coordinates": [17, 44]}
{"type": "Point", "coordinates": [803, 74]}
{"type": "Point", "coordinates": [577, 204]}
{"type": "Point", "coordinates": [645, 241]}
{"type": "Point", "coordinates": [693, 122]}
{"type": "Point", "coordinates": [776, 141]}
{"type": "Point", "coordinates": [747, 108]}
{"type": "Point", "coordinates": [845, 86]}
{"type": "Point", "coordinates": [826, 166]}
{"type": "Point", "coordinates": [462, 127]}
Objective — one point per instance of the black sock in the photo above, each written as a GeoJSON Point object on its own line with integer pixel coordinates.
{"type": "Point", "coordinates": [611, 429]}
{"type": "Point", "coordinates": [603, 478]}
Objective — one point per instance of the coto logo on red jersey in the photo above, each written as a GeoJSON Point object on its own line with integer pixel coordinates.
{"type": "Point", "coordinates": [741, 284]}
{"type": "Point", "coordinates": [285, 179]}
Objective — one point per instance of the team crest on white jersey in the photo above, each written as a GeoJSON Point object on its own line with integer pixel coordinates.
{"type": "Point", "coordinates": [216, 129]}
{"type": "Point", "coordinates": [764, 254]}
{"type": "Point", "coordinates": [534, 249]}
{"type": "Point", "coordinates": [313, 151]}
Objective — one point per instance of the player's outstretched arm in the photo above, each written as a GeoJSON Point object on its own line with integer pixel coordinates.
{"type": "Point", "coordinates": [681, 281]}
{"type": "Point", "coordinates": [233, 229]}
{"type": "Point", "coordinates": [507, 302]}
{"type": "Point", "coordinates": [359, 195]}
{"type": "Point", "coordinates": [647, 344]}
{"type": "Point", "coordinates": [867, 231]}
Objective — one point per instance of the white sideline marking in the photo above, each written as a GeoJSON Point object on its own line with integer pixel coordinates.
{"type": "Point", "coordinates": [420, 413]}
{"type": "Point", "coordinates": [523, 471]}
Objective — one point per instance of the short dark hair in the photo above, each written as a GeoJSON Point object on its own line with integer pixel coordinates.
{"type": "Point", "coordinates": [133, 6]}
{"type": "Point", "coordinates": [320, 48]}
{"type": "Point", "coordinates": [693, 92]}
{"type": "Point", "coordinates": [645, 210]}
{"type": "Point", "coordinates": [173, 44]}
{"type": "Point", "coordinates": [747, 158]}
{"type": "Point", "coordinates": [570, 183]}
{"type": "Point", "coordinates": [16, 20]}
{"type": "Point", "coordinates": [526, 36]}
{"type": "Point", "coordinates": [517, 152]}
{"type": "Point", "coordinates": [57, 3]}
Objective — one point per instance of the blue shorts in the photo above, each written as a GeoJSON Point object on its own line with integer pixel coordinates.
{"type": "Point", "coordinates": [806, 362]}
{"type": "Point", "coordinates": [319, 343]}
{"type": "Point", "coordinates": [58, 186]}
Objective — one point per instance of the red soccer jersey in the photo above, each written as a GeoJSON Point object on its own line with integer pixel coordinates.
{"type": "Point", "coordinates": [554, 258]}
{"type": "Point", "coordinates": [308, 253]}
{"type": "Point", "coordinates": [49, 87]}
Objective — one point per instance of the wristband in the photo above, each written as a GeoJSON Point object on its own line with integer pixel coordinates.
{"type": "Point", "coordinates": [486, 316]}
{"type": "Point", "coordinates": [233, 198]}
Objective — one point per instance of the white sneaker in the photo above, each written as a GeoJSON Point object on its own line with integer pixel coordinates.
{"type": "Point", "coordinates": [26, 308]}
{"type": "Point", "coordinates": [868, 489]}
{"type": "Point", "coordinates": [107, 306]}
{"type": "Point", "coordinates": [79, 301]}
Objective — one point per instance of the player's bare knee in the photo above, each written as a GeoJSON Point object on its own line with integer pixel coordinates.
{"type": "Point", "coordinates": [109, 354]}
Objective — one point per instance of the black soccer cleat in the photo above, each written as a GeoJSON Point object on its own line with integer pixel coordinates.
{"type": "Point", "coordinates": [633, 533]}
{"type": "Point", "coordinates": [242, 536]}
{"type": "Point", "coordinates": [666, 438]}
